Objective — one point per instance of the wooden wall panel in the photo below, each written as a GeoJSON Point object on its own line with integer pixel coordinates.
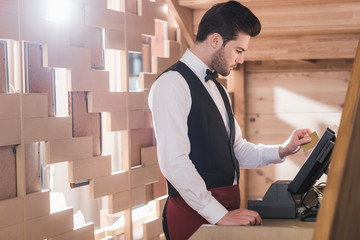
{"type": "Point", "coordinates": [50, 225]}
{"type": "Point", "coordinates": [107, 185]}
{"type": "Point", "coordinates": [2, 68]}
{"type": "Point", "coordinates": [278, 103]}
{"type": "Point", "coordinates": [12, 211]}
{"type": "Point", "coordinates": [68, 149]}
{"type": "Point", "coordinates": [76, 45]}
{"type": "Point", "coordinates": [9, 20]}
{"type": "Point", "coordinates": [85, 232]}
{"type": "Point", "coordinates": [32, 163]}
{"type": "Point", "coordinates": [8, 173]}
{"type": "Point", "coordinates": [40, 129]}
{"type": "Point", "coordinates": [35, 105]}
{"type": "Point", "coordinates": [40, 80]}
{"type": "Point", "coordinates": [13, 232]}
{"type": "Point", "coordinates": [37, 204]}
{"type": "Point", "coordinates": [9, 106]}
{"type": "Point", "coordinates": [89, 168]}
{"type": "Point", "coordinates": [139, 138]}
{"type": "Point", "coordinates": [84, 123]}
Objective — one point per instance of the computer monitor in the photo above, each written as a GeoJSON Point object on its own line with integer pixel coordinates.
{"type": "Point", "coordinates": [316, 164]}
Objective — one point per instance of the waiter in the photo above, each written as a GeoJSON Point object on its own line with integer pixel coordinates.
{"type": "Point", "coordinates": [199, 143]}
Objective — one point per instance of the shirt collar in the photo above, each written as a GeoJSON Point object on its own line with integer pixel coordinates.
{"type": "Point", "coordinates": [195, 64]}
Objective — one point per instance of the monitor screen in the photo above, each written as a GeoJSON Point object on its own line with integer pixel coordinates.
{"type": "Point", "coordinates": [316, 164]}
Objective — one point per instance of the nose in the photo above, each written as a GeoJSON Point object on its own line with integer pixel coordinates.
{"type": "Point", "coordinates": [240, 58]}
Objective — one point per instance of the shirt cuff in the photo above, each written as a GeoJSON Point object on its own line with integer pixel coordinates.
{"type": "Point", "coordinates": [213, 211]}
{"type": "Point", "coordinates": [272, 155]}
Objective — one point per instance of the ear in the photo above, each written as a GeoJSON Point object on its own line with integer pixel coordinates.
{"type": "Point", "coordinates": [215, 41]}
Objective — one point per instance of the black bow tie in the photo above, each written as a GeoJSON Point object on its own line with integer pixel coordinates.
{"type": "Point", "coordinates": [210, 75]}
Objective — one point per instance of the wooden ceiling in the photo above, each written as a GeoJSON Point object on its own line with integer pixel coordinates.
{"type": "Point", "coordinates": [291, 30]}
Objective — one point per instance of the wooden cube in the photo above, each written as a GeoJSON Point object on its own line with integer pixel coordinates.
{"type": "Point", "coordinates": [42, 129]}
{"type": "Point", "coordinates": [11, 211]}
{"type": "Point", "coordinates": [103, 186]}
{"type": "Point", "coordinates": [37, 204]}
{"type": "Point", "coordinates": [89, 168]}
{"type": "Point", "coordinates": [50, 225]}
{"type": "Point", "coordinates": [68, 149]}
{"type": "Point", "coordinates": [85, 232]}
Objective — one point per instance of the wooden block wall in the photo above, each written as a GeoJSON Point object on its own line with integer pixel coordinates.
{"type": "Point", "coordinates": [30, 115]}
{"type": "Point", "coordinates": [280, 101]}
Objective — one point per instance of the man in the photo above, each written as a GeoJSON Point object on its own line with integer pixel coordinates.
{"type": "Point", "coordinates": [200, 145]}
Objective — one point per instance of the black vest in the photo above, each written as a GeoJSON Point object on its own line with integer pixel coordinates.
{"type": "Point", "coordinates": [211, 151]}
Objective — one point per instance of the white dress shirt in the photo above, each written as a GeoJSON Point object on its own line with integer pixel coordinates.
{"type": "Point", "coordinates": [170, 103]}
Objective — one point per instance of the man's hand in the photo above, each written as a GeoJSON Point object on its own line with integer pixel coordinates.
{"type": "Point", "coordinates": [241, 217]}
{"type": "Point", "coordinates": [292, 145]}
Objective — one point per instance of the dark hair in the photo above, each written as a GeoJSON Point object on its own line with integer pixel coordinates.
{"type": "Point", "coordinates": [228, 19]}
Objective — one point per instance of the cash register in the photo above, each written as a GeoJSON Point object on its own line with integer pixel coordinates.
{"type": "Point", "coordinates": [284, 198]}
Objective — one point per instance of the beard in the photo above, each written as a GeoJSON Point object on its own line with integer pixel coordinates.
{"type": "Point", "coordinates": [218, 63]}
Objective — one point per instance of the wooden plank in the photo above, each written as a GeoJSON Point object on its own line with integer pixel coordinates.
{"type": "Point", "coordinates": [11, 211]}
{"type": "Point", "coordinates": [40, 79]}
{"type": "Point", "coordinates": [147, 80]}
{"type": "Point", "coordinates": [9, 106]}
{"type": "Point", "coordinates": [121, 201]}
{"type": "Point", "coordinates": [13, 232]}
{"type": "Point", "coordinates": [149, 156]}
{"type": "Point", "coordinates": [9, 22]}
{"type": "Point", "coordinates": [136, 119]}
{"type": "Point", "coordinates": [211, 232]}
{"type": "Point", "coordinates": [42, 129]}
{"type": "Point", "coordinates": [10, 132]}
{"type": "Point", "coordinates": [32, 167]}
{"type": "Point", "coordinates": [151, 9]}
{"type": "Point", "coordinates": [304, 19]}
{"type": "Point", "coordinates": [61, 150]}
{"type": "Point", "coordinates": [184, 17]}
{"type": "Point", "coordinates": [299, 66]}
{"type": "Point", "coordinates": [8, 173]}
{"type": "Point", "coordinates": [84, 123]}
{"type": "Point", "coordinates": [160, 187]}
{"type": "Point", "coordinates": [114, 39]}
{"type": "Point", "coordinates": [89, 168]}
{"type": "Point", "coordinates": [102, 186]}
{"type": "Point", "coordinates": [161, 64]}
{"type": "Point", "coordinates": [116, 121]}
{"type": "Point", "coordinates": [136, 100]}
{"type": "Point", "coordinates": [275, 93]}
{"type": "Point", "coordinates": [139, 26]}
{"type": "Point", "coordinates": [339, 209]}
{"type": "Point", "coordinates": [3, 87]}
{"type": "Point", "coordinates": [303, 47]}
{"type": "Point", "coordinates": [35, 105]}
{"type": "Point", "coordinates": [50, 225]}
{"type": "Point", "coordinates": [106, 102]}
{"type": "Point", "coordinates": [99, 81]}
{"type": "Point", "coordinates": [148, 119]}
{"type": "Point", "coordinates": [160, 203]}
{"type": "Point", "coordinates": [138, 196]}
{"type": "Point", "coordinates": [37, 204]}
{"type": "Point", "coordinates": [144, 175]}
{"type": "Point", "coordinates": [104, 18]}
{"type": "Point", "coordinates": [85, 232]}
{"type": "Point", "coordinates": [139, 138]}
{"type": "Point", "coordinates": [152, 228]}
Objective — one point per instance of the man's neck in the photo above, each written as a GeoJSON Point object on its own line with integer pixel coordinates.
{"type": "Point", "coordinates": [202, 52]}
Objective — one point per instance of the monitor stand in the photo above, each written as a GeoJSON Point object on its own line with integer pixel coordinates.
{"type": "Point", "coordinates": [277, 202]}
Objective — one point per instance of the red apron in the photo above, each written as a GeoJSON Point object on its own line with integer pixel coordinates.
{"type": "Point", "coordinates": [183, 221]}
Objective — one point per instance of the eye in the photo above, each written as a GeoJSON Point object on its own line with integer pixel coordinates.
{"type": "Point", "coordinates": [238, 51]}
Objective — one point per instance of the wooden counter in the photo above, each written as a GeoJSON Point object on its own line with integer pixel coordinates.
{"type": "Point", "coordinates": [279, 229]}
